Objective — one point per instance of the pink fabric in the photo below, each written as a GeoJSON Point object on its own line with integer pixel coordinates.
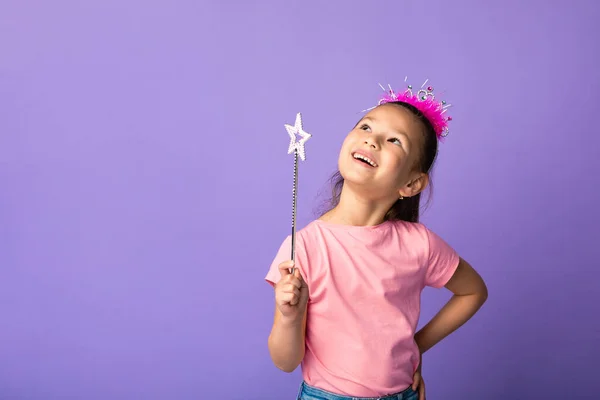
{"type": "Point", "coordinates": [365, 285]}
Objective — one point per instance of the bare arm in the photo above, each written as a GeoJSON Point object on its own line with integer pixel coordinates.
{"type": "Point", "coordinates": [286, 341]}
{"type": "Point", "coordinates": [470, 292]}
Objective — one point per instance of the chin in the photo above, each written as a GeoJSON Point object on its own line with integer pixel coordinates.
{"type": "Point", "coordinates": [356, 177]}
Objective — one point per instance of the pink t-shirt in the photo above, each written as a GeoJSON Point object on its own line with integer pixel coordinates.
{"type": "Point", "coordinates": [364, 301]}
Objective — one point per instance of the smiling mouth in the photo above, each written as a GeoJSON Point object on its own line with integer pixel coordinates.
{"type": "Point", "coordinates": [366, 160]}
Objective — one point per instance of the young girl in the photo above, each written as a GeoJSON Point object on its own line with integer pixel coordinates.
{"type": "Point", "coordinates": [349, 311]}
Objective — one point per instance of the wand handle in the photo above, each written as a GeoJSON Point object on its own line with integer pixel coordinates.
{"type": "Point", "coordinates": [294, 202]}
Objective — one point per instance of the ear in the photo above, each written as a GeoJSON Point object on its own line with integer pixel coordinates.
{"type": "Point", "coordinates": [416, 185]}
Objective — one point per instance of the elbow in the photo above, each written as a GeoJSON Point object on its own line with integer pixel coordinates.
{"type": "Point", "coordinates": [283, 360]}
{"type": "Point", "coordinates": [483, 293]}
{"type": "Point", "coordinates": [287, 368]}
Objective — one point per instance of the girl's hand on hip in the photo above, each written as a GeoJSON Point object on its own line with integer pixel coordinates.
{"type": "Point", "coordinates": [418, 382]}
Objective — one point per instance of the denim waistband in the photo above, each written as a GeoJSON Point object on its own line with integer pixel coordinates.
{"type": "Point", "coordinates": [308, 392]}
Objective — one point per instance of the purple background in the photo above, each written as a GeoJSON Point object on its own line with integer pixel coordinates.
{"type": "Point", "coordinates": [146, 186]}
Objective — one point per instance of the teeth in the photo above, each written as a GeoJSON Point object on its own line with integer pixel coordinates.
{"type": "Point", "coordinates": [361, 157]}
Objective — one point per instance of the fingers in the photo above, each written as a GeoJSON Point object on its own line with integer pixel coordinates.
{"type": "Point", "coordinates": [294, 284]}
{"type": "Point", "coordinates": [298, 275]}
{"type": "Point", "coordinates": [290, 297]}
{"type": "Point", "coordinates": [288, 290]}
{"type": "Point", "coordinates": [289, 287]}
{"type": "Point", "coordinates": [422, 390]}
{"type": "Point", "coordinates": [416, 381]}
{"type": "Point", "coordinates": [284, 268]}
{"type": "Point", "coordinates": [287, 282]}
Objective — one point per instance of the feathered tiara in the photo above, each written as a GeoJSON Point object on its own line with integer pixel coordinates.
{"type": "Point", "coordinates": [425, 102]}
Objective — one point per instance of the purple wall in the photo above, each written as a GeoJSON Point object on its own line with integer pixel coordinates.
{"type": "Point", "coordinates": [146, 186]}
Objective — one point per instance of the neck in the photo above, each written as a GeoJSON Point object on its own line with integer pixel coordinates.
{"type": "Point", "coordinates": [356, 208]}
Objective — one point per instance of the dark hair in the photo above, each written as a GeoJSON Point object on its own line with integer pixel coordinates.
{"type": "Point", "coordinates": [406, 209]}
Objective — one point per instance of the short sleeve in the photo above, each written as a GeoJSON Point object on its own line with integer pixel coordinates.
{"type": "Point", "coordinates": [284, 254]}
{"type": "Point", "coordinates": [442, 261]}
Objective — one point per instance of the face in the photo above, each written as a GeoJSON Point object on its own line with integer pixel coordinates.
{"type": "Point", "coordinates": [380, 154]}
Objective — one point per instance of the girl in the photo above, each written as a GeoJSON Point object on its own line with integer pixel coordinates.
{"type": "Point", "coordinates": [349, 311]}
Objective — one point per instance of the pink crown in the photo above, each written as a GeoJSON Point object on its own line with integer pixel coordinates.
{"type": "Point", "coordinates": [425, 102]}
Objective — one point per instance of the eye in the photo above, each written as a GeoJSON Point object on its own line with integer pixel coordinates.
{"type": "Point", "coordinates": [365, 127]}
{"type": "Point", "coordinates": [396, 141]}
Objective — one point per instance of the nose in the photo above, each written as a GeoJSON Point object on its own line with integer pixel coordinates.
{"type": "Point", "coordinates": [372, 141]}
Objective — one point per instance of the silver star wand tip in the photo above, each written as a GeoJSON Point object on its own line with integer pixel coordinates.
{"type": "Point", "coordinates": [297, 145]}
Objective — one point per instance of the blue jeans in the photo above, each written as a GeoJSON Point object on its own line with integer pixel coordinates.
{"type": "Point", "coordinates": [312, 393]}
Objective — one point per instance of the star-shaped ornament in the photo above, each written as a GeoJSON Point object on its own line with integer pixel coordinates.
{"type": "Point", "coordinates": [297, 130]}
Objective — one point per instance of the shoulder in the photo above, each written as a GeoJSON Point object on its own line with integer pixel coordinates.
{"type": "Point", "coordinates": [304, 237]}
{"type": "Point", "coordinates": [419, 235]}
{"type": "Point", "coordinates": [315, 229]}
{"type": "Point", "coordinates": [412, 229]}
{"type": "Point", "coordinates": [415, 228]}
